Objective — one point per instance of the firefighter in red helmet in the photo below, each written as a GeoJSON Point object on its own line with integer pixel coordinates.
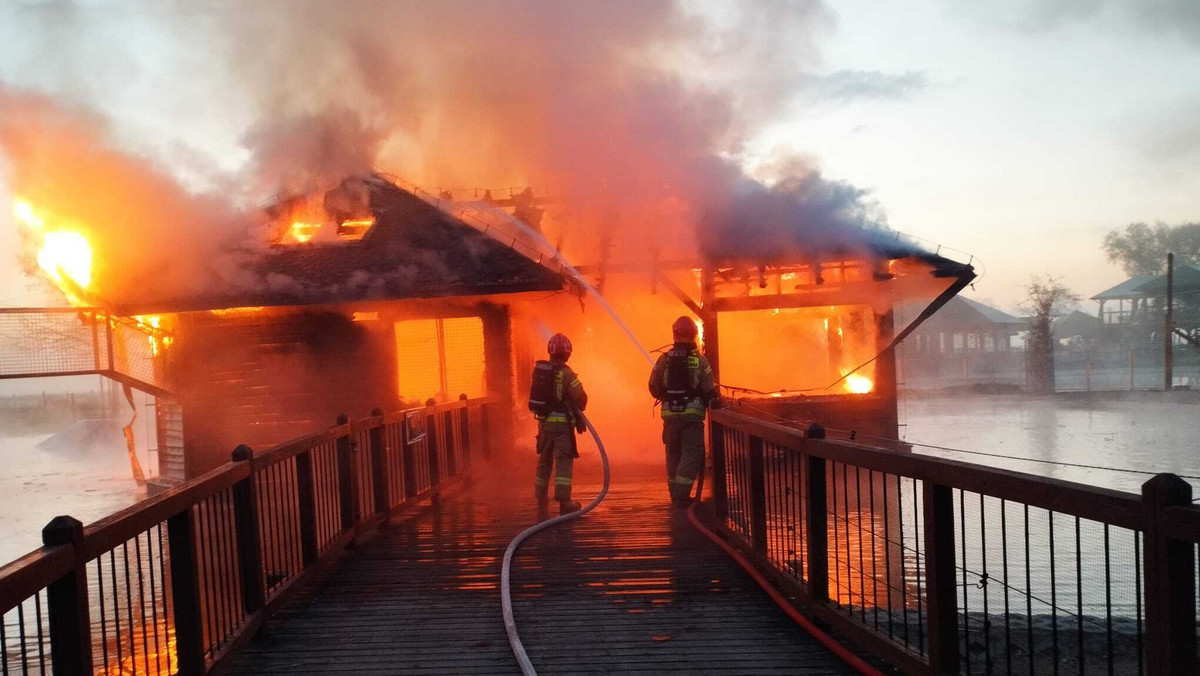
{"type": "Point", "coordinates": [683, 381]}
{"type": "Point", "coordinates": [555, 397]}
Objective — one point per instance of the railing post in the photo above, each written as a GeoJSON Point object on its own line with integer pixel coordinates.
{"type": "Point", "coordinates": [345, 476]}
{"type": "Point", "coordinates": [306, 500]}
{"type": "Point", "coordinates": [485, 431]}
{"type": "Point", "coordinates": [379, 463]}
{"type": "Point", "coordinates": [816, 515]}
{"type": "Point", "coordinates": [940, 578]}
{"type": "Point", "coordinates": [464, 437]}
{"type": "Point", "coordinates": [719, 489]}
{"type": "Point", "coordinates": [448, 431]}
{"type": "Point", "coordinates": [758, 496]}
{"type": "Point", "coordinates": [1170, 582]}
{"type": "Point", "coordinates": [67, 601]}
{"type": "Point", "coordinates": [185, 593]}
{"type": "Point", "coordinates": [431, 444]}
{"type": "Point", "coordinates": [408, 461]}
{"type": "Point", "coordinates": [245, 519]}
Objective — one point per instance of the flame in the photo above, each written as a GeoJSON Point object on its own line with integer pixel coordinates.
{"type": "Point", "coordinates": [303, 232]}
{"type": "Point", "coordinates": [856, 384]}
{"type": "Point", "coordinates": [64, 254]}
{"type": "Point", "coordinates": [237, 311]}
{"type": "Point", "coordinates": [152, 326]}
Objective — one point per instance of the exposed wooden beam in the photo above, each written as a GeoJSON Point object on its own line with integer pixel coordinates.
{"type": "Point", "coordinates": [681, 295]}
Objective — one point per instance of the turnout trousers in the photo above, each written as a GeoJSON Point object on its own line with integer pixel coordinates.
{"type": "Point", "coordinates": [684, 440]}
{"type": "Point", "coordinates": [556, 453]}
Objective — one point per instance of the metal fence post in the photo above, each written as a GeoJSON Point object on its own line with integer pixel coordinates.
{"type": "Point", "coordinates": [720, 490]}
{"type": "Point", "coordinates": [185, 593]}
{"type": "Point", "coordinates": [306, 501]}
{"type": "Point", "coordinates": [758, 496]}
{"type": "Point", "coordinates": [940, 578]}
{"type": "Point", "coordinates": [347, 492]}
{"type": "Point", "coordinates": [67, 602]}
{"type": "Point", "coordinates": [1170, 582]}
{"type": "Point", "coordinates": [379, 462]}
{"type": "Point", "coordinates": [249, 549]}
{"type": "Point", "coordinates": [817, 529]}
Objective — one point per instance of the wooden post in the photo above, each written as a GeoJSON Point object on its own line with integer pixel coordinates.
{"type": "Point", "coordinates": [67, 602]}
{"type": "Point", "coordinates": [306, 498]}
{"type": "Point", "coordinates": [712, 345]}
{"type": "Point", "coordinates": [485, 430]}
{"type": "Point", "coordinates": [1170, 573]}
{"type": "Point", "coordinates": [185, 593]}
{"type": "Point", "coordinates": [379, 462]}
{"type": "Point", "coordinates": [431, 444]}
{"type": "Point", "coordinates": [758, 496]}
{"type": "Point", "coordinates": [816, 516]}
{"type": "Point", "coordinates": [407, 461]}
{"type": "Point", "coordinates": [451, 445]}
{"type": "Point", "coordinates": [345, 477]}
{"type": "Point", "coordinates": [720, 490]}
{"type": "Point", "coordinates": [245, 519]}
{"type": "Point", "coordinates": [464, 438]}
{"type": "Point", "coordinates": [1169, 328]}
{"type": "Point", "coordinates": [1087, 369]}
{"type": "Point", "coordinates": [940, 578]}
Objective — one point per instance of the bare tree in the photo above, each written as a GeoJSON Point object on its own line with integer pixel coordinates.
{"type": "Point", "coordinates": [1046, 298]}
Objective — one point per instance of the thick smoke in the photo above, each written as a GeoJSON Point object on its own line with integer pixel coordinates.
{"type": "Point", "coordinates": [144, 228]}
{"type": "Point", "coordinates": [635, 114]}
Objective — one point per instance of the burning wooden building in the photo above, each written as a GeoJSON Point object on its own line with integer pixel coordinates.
{"type": "Point", "coordinates": [391, 306]}
{"type": "Point", "coordinates": [375, 295]}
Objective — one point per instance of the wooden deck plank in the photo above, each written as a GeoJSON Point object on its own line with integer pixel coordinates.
{"type": "Point", "coordinates": [632, 588]}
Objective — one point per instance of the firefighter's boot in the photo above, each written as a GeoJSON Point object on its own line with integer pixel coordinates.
{"type": "Point", "coordinates": [568, 506]}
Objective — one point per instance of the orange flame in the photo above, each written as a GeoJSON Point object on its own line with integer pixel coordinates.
{"type": "Point", "coordinates": [856, 384]}
{"type": "Point", "coordinates": [303, 232]}
{"type": "Point", "coordinates": [64, 254]}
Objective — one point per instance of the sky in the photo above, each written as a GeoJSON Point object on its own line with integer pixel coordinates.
{"type": "Point", "coordinates": [1017, 133]}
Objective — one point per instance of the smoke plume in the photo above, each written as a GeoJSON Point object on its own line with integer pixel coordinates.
{"type": "Point", "coordinates": [635, 114]}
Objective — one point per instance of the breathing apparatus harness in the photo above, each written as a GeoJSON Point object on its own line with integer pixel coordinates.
{"type": "Point", "coordinates": [682, 377]}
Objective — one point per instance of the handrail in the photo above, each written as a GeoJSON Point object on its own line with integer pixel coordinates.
{"type": "Point", "coordinates": [836, 523]}
{"type": "Point", "coordinates": [207, 561]}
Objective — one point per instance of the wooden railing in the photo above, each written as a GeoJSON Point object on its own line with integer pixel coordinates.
{"type": "Point", "coordinates": [177, 583]}
{"type": "Point", "coordinates": [945, 567]}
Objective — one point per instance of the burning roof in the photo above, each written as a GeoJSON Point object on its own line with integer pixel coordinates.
{"type": "Point", "coordinates": [412, 250]}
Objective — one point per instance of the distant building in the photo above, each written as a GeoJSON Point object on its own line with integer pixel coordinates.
{"type": "Point", "coordinates": [1076, 328]}
{"type": "Point", "coordinates": [965, 343]}
{"type": "Point", "coordinates": [1124, 303]}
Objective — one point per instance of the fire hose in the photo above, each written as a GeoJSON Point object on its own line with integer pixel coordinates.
{"type": "Point", "coordinates": [510, 624]}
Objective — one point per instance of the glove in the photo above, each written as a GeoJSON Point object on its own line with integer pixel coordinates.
{"type": "Point", "coordinates": [716, 403]}
{"type": "Point", "coordinates": [580, 427]}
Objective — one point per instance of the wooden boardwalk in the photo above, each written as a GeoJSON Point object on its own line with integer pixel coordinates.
{"type": "Point", "coordinates": [632, 588]}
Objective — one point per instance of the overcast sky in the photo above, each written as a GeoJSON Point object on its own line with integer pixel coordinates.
{"type": "Point", "coordinates": [1019, 134]}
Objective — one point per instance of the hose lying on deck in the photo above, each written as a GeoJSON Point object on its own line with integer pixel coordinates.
{"type": "Point", "coordinates": [510, 624]}
{"type": "Point", "coordinates": [854, 661]}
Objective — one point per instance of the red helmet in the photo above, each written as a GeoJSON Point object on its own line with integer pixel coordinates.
{"type": "Point", "coordinates": [684, 330]}
{"type": "Point", "coordinates": [559, 346]}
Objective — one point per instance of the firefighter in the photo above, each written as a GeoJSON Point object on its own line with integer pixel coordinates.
{"type": "Point", "coordinates": [555, 397]}
{"type": "Point", "coordinates": [683, 381]}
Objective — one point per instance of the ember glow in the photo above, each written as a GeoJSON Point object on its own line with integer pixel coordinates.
{"type": "Point", "coordinates": [64, 254]}
{"type": "Point", "coordinates": [857, 384]}
{"type": "Point", "coordinates": [303, 232]}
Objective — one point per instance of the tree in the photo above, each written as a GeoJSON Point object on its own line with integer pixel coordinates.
{"type": "Point", "coordinates": [1045, 299]}
{"type": "Point", "coordinates": [1142, 249]}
